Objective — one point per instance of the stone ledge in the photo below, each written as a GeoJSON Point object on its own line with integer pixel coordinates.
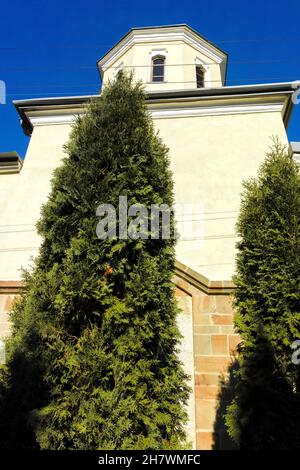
{"type": "Point", "coordinates": [11, 287]}
{"type": "Point", "coordinates": [188, 278]}
{"type": "Point", "coordinates": [201, 282]}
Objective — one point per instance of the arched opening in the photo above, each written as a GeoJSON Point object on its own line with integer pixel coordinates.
{"type": "Point", "coordinates": [200, 76]}
{"type": "Point", "coordinates": [158, 68]}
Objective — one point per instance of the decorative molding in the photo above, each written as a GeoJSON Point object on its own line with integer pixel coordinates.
{"type": "Point", "coordinates": [182, 271]}
{"type": "Point", "coordinates": [153, 53]}
{"type": "Point", "coordinates": [10, 163]}
{"type": "Point", "coordinates": [75, 105]}
{"type": "Point", "coordinates": [117, 70]}
{"type": "Point", "coordinates": [200, 62]}
{"type": "Point", "coordinates": [52, 119]}
{"type": "Point", "coordinates": [161, 113]}
{"type": "Point", "coordinates": [207, 72]}
{"type": "Point", "coordinates": [11, 287]}
{"type": "Point", "coordinates": [170, 34]}
{"type": "Point", "coordinates": [214, 110]}
{"type": "Point", "coordinates": [294, 150]}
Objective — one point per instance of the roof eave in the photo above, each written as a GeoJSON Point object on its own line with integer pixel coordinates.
{"type": "Point", "coordinates": [24, 106]}
{"type": "Point", "coordinates": [10, 162]}
{"type": "Point", "coordinates": [136, 29]}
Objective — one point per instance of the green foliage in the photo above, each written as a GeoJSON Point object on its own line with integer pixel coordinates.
{"type": "Point", "coordinates": [92, 362]}
{"type": "Point", "coordinates": [265, 413]}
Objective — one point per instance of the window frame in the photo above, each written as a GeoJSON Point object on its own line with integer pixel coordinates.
{"type": "Point", "coordinates": [206, 70]}
{"type": "Point", "coordinates": [119, 68]}
{"type": "Point", "coordinates": [163, 66]}
{"type": "Point", "coordinates": [199, 67]}
{"type": "Point", "coordinates": [152, 54]}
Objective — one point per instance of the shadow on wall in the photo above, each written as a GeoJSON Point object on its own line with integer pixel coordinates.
{"type": "Point", "coordinates": [21, 392]}
{"type": "Point", "coordinates": [221, 438]}
{"type": "Point", "coordinates": [268, 399]}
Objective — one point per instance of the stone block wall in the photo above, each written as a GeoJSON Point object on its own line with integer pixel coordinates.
{"type": "Point", "coordinates": [6, 299]}
{"type": "Point", "coordinates": [5, 305]}
{"type": "Point", "coordinates": [8, 291]}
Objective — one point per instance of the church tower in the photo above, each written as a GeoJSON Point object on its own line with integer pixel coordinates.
{"type": "Point", "coordinates": [166, 58]}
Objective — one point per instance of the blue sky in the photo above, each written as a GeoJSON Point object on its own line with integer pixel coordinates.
{"type": "Point", "coordinates": [49, 48]}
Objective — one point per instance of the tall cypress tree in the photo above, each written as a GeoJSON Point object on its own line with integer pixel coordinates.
{"type": "Point", "coordinates": [265, 413]}
{"type": "Point", "coordinates": [92, 362]}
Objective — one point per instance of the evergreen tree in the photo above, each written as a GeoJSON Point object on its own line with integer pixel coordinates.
{"type": "Point", "coordinates": [265, 413]}
{"type": "Point", "coordinates": [92, 361]}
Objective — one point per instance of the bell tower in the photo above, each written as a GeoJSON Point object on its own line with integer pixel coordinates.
{"type": "Point", "coordinates": [166, 58]}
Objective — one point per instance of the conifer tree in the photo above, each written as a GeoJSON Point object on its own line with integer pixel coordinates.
{"type": "Point", "coordinates": [92, 361]}
{"type": "Point", "coordinates": [265, 413]}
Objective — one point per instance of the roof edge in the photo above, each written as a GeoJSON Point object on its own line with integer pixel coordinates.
{"type": "Point", "coordinates": [145, 28]}
{"type": "Point", "coordinates": [23, 106]}
{"type": "Point", "coordinates": [10, 162]}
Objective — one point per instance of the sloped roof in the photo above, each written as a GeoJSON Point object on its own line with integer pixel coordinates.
{"type": "Point", "coordinates": [145, 28]}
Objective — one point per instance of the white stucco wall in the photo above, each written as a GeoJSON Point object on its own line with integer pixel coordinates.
{"type": "Point", "coordinates": [210, 157]}
{"type": "Point", "coordinates": [21, 198]}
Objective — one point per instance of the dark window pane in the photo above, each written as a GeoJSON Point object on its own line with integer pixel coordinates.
{"type": "Point", "coordinates": [199, 77]}
{"type": "Point", "coordinates": [158, 69]}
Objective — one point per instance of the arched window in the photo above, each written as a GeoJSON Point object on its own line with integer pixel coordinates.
{"type": "Point", "coordinates": [118, 70]}
{"type": "Point", "coordinates": [158, 68]}
{"type": "Point", "coordinates": [200, 76]}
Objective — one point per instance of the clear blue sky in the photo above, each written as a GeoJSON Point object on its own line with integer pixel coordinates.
{"type": "Point", "coordinates": [49, 48]}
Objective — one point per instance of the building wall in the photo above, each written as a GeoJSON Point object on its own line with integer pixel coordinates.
{"type": "Point", "coordinates": [8, 291]}
{"type": "Point", "coordinates": [21, 198]}
{"type": "Point", "coordinates": [5, 306]}
{"type": "Point", "coordinates": [210, 157]}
